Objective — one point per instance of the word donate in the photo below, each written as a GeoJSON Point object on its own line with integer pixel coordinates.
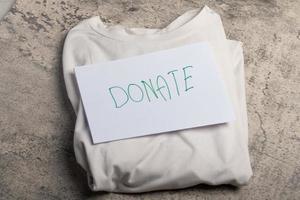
{"type": "Point", "coordinates": [159, 89]}
{"type": "Point", "coordinates": [158, 92]}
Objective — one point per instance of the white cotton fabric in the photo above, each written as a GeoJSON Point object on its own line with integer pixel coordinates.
{"type": "Point", "coordinates": [5, 6]}
{"type": "Point", "coordinates": [216, 154]}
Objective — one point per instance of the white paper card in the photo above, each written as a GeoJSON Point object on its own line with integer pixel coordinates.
{"type": "Point", "coordinates": [164, 91]}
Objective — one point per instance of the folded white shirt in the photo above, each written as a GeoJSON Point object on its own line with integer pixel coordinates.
{"type": "Point", "coordinates": [216, 154]}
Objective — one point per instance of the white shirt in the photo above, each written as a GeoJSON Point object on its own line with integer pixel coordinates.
{"type": "Point", "coordinates": [216, 154]}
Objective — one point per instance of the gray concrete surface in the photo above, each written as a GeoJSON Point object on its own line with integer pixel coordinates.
{"type": "Point", "coordinates": [36, 119]}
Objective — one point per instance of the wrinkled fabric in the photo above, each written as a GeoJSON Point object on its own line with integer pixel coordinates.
{"type": "Point", "coordinates": [216, 154]}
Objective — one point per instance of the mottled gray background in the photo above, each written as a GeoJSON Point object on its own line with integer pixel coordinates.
{"type": "Point", "coordinates": [36, 119]}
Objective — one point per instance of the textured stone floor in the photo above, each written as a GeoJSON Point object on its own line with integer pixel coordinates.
{"type": "Point", "coordinates": [36, 119]}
